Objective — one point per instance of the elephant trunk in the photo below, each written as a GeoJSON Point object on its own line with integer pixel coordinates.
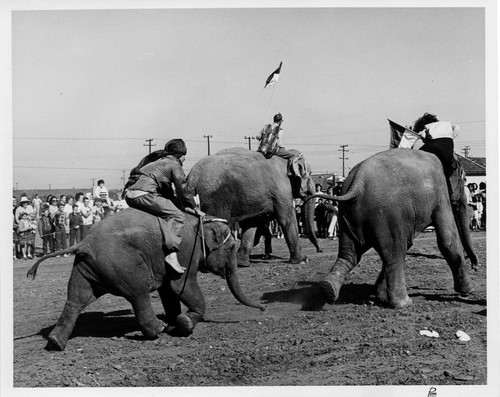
{"type": "Point", "coordinates": [309, 223]}
{"type": "Point", "coordinates": [234, 285]}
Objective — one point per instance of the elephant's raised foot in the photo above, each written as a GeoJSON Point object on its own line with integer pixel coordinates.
{"type": "Point", "coordinates": [329, 290]}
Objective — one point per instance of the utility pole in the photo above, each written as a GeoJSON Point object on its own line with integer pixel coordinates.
{"type": "Point", "coordinates": [466, 151]}
{"type": "Point", "coordinates": [249, 143]}
{"type": "Point", "coordinates": [149, 144]}
{"type": "Point", "coordinates": [17, 188]}
{"type": "Point", "coordinates": [123, 178]}
{"type": "Point", "coordinates": [49, 186]}
{"type": "Point", "coordinates": [208, 142]}
{"type": "Point", "coordinates": [93, 181]}
{"type": "Point", "coordinates": [343, 158]}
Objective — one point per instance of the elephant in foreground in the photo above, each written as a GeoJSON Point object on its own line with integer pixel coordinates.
{"type": "Point", "coordinates": [387, 200]}
{"type": "Point", "coordinates": [243, 186]}
{"type": "Point", "coordinates": [123, 255]}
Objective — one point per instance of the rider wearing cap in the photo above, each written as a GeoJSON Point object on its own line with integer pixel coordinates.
{"type": "Point", "coordinates": [153, 191]}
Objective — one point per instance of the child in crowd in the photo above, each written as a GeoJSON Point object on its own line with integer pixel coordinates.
{"type": "Point", "coordinates": [46, 230]}
{"type": "Point", "coordinates": [60, 228]}
{"type": "Point", "coordinates": [25, 231]}
{"type": "Point", "coordinates": [75, 223]}
{"type": "Point", "coordinates": [98, 210]}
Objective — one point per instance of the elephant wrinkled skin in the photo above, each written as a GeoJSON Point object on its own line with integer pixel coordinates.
{"type": "Point", "coordinates": [123, 255]}
{"type": "Point", "coordinates": [243, 186]}
{"type": "Point", "coordinates": [387, 200]}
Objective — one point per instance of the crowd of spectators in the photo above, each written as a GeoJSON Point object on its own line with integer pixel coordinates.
{"type": "Point", "coordinates": [58, 222]}
{"type": "Point", "coordinates": [476, 200]}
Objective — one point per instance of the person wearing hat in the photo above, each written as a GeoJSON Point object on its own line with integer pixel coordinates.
{"type": "Point", "coordinates": [151, 189]}
{"type": "Point", "coordinates": [438, 139]}
{"type": "Point", "coordinates": [24, 206]}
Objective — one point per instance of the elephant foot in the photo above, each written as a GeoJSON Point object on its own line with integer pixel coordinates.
{"type": "Point", "coordinates": [465, 291]}
{"type": "Point", "coordinates": [55, 344]}
{"type": "Point", "coordinates": [330, 289]}
{"type": "Point", "coordinates": [299, 261]}
{"type": "Point", "coordinates": [243, 264]}
{"type": "Point", "coordinates": [186, 322]}
{"type": "Point", "coordinates": [401, 303]}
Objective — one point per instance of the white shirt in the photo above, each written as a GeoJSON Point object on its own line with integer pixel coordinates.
{"type": "Point", "coordinates": [441, 129]}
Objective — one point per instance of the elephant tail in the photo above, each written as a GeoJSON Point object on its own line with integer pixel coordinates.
{"type": "Point", "coordinates": [32, 271]}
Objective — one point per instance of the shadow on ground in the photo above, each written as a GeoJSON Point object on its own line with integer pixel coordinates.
{"type": "Point", "coordinates": [309, 295]}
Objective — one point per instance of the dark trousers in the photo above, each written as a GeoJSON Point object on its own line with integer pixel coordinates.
{"type": "Point", "coordinates": [75, 235]}
{"type": "Point", "coordinates": [171, 218]}
{"type": "Point", "coordinates": [61, 240]}
{"type": "Point", "coordinates": [47, 244]}
{"type": "Point", "coordinates": [85, 230]}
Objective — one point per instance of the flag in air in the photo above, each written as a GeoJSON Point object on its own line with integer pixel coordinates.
{"type": "Point", "coordinates": [401, 137]}
{"type": "Point", "coordinates": [273, 78]}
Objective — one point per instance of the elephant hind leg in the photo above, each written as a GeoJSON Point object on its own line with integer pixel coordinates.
{"type": "Point", "coordinates": [149, 324]}
{"type": "Point", "coordinates": [391, 283]}
{"type": "Point", "coordinates": [192, 298]}
{"type": "Point", "coordinates": [80, 295]}
{"type": "Point", "coordinates": [449, 244]}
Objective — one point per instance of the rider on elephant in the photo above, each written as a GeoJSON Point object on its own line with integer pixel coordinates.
{"type": "Point", "coordinates": [269, 140]}
{"type": "Point", "coordinates": [150, 189]}
{"type": "Point", "coordinates": [438, 139]}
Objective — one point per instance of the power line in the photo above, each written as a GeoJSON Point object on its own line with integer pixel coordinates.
{"type": "Point", "coordinates": [149, 144]}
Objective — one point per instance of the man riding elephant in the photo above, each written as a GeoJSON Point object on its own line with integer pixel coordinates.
{"type": "Point", "coordinates": [150, 189]}
{"type": "Point", "coordinates": [438, 139]}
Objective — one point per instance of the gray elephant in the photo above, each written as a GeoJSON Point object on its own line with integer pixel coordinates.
{"type": "Point", "coordinates": [242, 186]}
{"type": "Point", "coordinates": [123, 255]}
{"type": "Point", "coordinates": [387, 200]}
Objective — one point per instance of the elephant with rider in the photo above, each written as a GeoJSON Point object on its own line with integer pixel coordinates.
{"type": "Point", "coordinates": [387, 200]}
{"type": "Point", "coordinates": [124, 255]}
{"type": "Point", "coordinates": [246, 187]}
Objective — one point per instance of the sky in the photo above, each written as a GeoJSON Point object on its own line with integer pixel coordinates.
{"type": "Point", "coordinates": [90, 87]}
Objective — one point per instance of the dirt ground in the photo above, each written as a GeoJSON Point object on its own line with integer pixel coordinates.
{"type": "Point", "coordinates": [296, 341]}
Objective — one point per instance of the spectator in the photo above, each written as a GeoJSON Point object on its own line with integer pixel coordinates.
{"type": "Point", "coordinates": [332, 215]}
{"type": "Point", "coordinates": [101, 191]}
{"type": "Point", "coordinates": [482, 192]}
{"type": "Point", "coordinates": [87, 217]}
{"type": "Point", "coordinates": [15, 237]}
{"type": "Point", "coordinates": [68, 209]}
{"type": "Point", "coordinates": [25, 232]}
{"type": "Point", "coordinates": [119, 203]}
{"type": "Point", "coordinates": [79, 201]}
{"type": "Point", "coordinates": [75, 222]}
{"type": "Point", "coordinates": [46, 230]}
{"type": "Point", "coordinates": [98, 211]}
{"type": "Point", "coordinates": [24, 206]}
{"type": "Point", "coordinates": [60, 228]}
{"type": "Point", "coordinates": [298, 203]}
{"type": "Point", "coordinates": [472, 203]}
{"type": "Point", "coordinates": [319, 214]}
{"type": "Point", "coordinates": [53, 207]}
{"type": "Point", "coordinates": [37, 203]}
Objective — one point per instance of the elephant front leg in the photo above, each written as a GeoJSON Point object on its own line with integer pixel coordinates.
{"type": "Point", "coordinates": [149, 324]}
{"type": "Point", "coordinates": [171, 305]}
{"type": "Point", "coordinates": [192, 297]}
{"type": "Point", "coordinates": [448, 243]}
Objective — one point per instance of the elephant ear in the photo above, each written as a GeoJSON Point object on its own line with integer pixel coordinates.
{"type": "Point", "coordinates": [214, 235]}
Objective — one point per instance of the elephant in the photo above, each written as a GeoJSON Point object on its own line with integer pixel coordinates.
{"type": "Point", "coordinates": [386, 201]}
{"type": "Point", "coordinates": [243, 186]}
{"type": "Point", "coordinates": [123, 255]}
